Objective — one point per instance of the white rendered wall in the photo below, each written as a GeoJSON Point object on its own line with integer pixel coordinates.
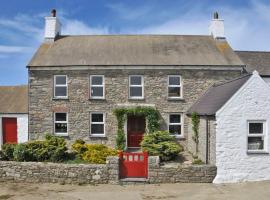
{"type": "Point", "coordinates": [267, 80]}
{"type": "Point", "coordinates": [22, 126]}
{"type": "Point", "coordinates": [251, 102]}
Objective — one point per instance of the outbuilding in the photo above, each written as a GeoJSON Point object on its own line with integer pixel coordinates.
{"type": "Point", "coordinates": [234, 129]}
{"type": "Point", "coordinates": [13, 114]}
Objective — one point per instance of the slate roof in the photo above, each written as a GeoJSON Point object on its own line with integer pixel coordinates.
{"type": "Point", "coordinates": [113, 50]}
{"type": "Point", "coordinates": [217, 95]}
{"type": "Point", "coordinates": [13, 99]}
{"type": "Point", "coordinates": [256, 60]}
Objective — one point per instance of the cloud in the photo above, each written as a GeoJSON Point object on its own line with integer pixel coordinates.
{"type": "Point", "coordinates": [14, 49]}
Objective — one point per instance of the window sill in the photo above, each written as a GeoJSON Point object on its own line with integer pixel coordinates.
{"type": "Point", "coordinates": [97, 99]}
{"type": "Point", "coordinates": [61, 134]}
{"type": "Point", "coordinates": [257, 152]}
{"type": "Point", "coordinates": [60, 98]}
{"type": "Point", "coordinates": [175, 99]}
{"type": "Point", "coordinates": [179, 137]}
{"type": "Point", "coordinates": [135, 99]}
{"type": "Point", "coordinates": [98, 136]}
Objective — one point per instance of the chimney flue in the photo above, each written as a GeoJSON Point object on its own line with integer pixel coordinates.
{"type": "Point", "coordinates": [215, 15]}
{"type": "Point", "coordinates": [216, 28]}
{"type": "Point", "coordinates": [53, 12]}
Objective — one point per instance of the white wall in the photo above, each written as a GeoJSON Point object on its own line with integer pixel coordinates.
{"type": "Point", "coordinates": [251, 102]}
{"type": "Point", "coordinates": [22, 126]}
{"type": "Point", "coordinates": [267, 80]}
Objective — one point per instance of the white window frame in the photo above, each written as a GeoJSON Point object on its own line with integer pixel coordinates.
{"type": "Point", "coordinates": [180, 87]}
{"type": "Point", "coordinates": [103, 86]}
{"type": "Point", "coordinates": [104, 124]}
{"type": "Point", "coordinates": [142, 86]}
{"type": "Point", "coordinates": [263, 135]}
{"type": "Point", "coordinates": [60, 85]}
{"type": "Point", "coordinates": [181, 124]}
{"type": "Point", "coordinates": [54, 122]}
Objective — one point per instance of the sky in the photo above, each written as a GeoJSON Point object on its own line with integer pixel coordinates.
{"type": "Point", "coordinates": [247, 24]}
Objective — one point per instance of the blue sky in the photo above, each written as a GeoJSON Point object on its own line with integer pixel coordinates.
{"type": "Point", "coordinates": [247, 24]}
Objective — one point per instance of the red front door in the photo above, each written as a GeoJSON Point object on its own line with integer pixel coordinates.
{"type": "Point", "coordinates": [9, 130]}
{"type": "Point", "coordinates": [135, 130]}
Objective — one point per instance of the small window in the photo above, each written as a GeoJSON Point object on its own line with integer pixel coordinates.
{"type": "Point", "coordinates": [175, 124]}
{"type": "Point", "coordinates": [174, 87]}
{"type": "Point", "coordinates": [136, 90]}
{"type": "Point", "coordinates": [97, 90]}
{"type": "Point", "coordinates": [97, 122]}
{"type": "Point", "coordinates": [60, 123]}
{"type": "Point", "coordinates": [256, 136]}
{"type": "Point", "coordinates": [60, 86]}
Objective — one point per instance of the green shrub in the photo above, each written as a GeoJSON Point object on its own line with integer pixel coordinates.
{"type": "Point", "coordinates": [162, 144]}
{"type": "Point", "coordinates": [8, 150]}
{"type": "Point", "coordinates": [20, 153]}
{"type": "Point", "coordinates": [120, 140]}
{"type": "Point", "coordinates": [197, 162]}
{"type": "Point", "coordinates": [92, 153]}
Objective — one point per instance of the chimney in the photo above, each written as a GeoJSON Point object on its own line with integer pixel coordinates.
{"type": "Point", "coordinates": [52, 27]}
{"type": "Point", "coordinates": [216, 28]}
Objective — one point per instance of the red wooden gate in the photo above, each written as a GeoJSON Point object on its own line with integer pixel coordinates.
{"type": "Point", "coordinates": [9, 130]}
{"type": "Point", "coordinates": [133, 165]}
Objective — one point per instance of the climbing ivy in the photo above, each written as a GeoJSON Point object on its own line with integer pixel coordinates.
{"type": "Point", "coordinates": [195, 120]}
{"type": "Point", "coordinates": [151, 115]}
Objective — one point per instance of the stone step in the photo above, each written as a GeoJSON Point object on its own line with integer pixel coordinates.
{"type": "Point", "coordinates": [134, 181]}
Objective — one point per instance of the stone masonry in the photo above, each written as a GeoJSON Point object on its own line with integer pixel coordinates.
{"type": "Point", "coordinates": [42, 105]}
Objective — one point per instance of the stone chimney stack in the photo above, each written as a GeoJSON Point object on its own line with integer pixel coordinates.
{"type": "Point", "coordinates": [216, 28]}
{"type": "Point", "coordinates": [52, 27]}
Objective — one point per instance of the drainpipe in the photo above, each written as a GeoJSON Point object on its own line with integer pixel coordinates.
{"type": "Point", "coordinates": [207, 140]}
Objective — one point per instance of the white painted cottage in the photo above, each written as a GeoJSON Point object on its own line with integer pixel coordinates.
{"type": "Point", "coordinates": [13, 114]}
{"type": "Point", "coordinates": [238, 142]}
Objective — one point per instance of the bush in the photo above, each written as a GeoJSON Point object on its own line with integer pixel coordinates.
{"type": "Point", "coordinates": [20, 153]}
{"type": "Point", "coordinates": [197, 162]}
{"type": "Point", "coordinates": [162, 144]}
{"type": "Point", "coordinates": [92, 153]}
{"type": "Point", "coordinates": [7, 151]}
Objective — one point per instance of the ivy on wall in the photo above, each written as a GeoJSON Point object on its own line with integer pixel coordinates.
{"type": "Point", "coordinates": [151, 115]}
{"type": "Point", "coordinates": [195, 120]}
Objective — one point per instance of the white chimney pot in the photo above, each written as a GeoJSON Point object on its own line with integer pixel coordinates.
{"type": "Point", "coordinates": [216, 28]}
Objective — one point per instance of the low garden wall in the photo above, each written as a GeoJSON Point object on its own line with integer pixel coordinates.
{"type": "Point", "coordinates": [39, 172]}
{"type": "Point", "coordinates": [179, 173]}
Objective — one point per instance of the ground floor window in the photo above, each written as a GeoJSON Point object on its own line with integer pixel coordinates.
{"type": "Point", "coordinates": [61, 123]}
{"type": "Point", "coordinates": [97, 123]}
{"type": "Point", "coordinates": [256, 136]}
{"type": "Point", "coordinates": [175, 124]}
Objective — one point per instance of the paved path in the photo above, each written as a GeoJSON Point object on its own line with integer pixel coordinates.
{"type": "Point", "coordinates": [243, 191]}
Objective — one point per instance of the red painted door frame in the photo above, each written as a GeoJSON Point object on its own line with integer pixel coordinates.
{"type": "Point", "coordinates": [9, 130]}
{"type": "Point", "coordinates": [135, 130]}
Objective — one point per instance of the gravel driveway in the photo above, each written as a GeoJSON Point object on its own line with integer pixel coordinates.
{"type": "Point", "coordinates": [243, 191]}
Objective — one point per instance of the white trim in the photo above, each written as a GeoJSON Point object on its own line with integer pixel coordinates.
{"type": "Point", "coordinates": [104, 125]}
{"type": "Point", "coordinates": [263, 136]}
{"type": "Point", "coordinates": [60, 85]}
{"type": "Point", "coordinates": [180, 87]}
{"type": "Point", "coordinates": [139, 86]}
{"type": "Point", "coordinates": [54, 122]}
{"type": "Point", "coordinates": [91, 85]}
{"type": "Point", "coordinates": [181, 124]}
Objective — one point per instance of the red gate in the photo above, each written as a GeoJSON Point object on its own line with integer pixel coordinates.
{"type": "Point", "coordinates": [133, 165]}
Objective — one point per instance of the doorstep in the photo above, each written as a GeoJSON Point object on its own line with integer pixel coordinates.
{"type": "Point", "coordinates": [135, 181]}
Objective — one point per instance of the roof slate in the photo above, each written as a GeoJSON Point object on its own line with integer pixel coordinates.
{"type": "Point", "coordinates": [135, 50]}
{"type": "Point", "coordinates": [256, 60]}
{"type": "Point", "coordinates": [216, 96]}
{"type": "Point", "coordinates": [13, 99]}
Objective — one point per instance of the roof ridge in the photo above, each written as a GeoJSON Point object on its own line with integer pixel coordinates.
{"type": "Point", "coordinates": [232, 80]}
{"type": "Point", "coordinates": [249, 51]}
{"type": "Point", "coordinates": [106, 35]}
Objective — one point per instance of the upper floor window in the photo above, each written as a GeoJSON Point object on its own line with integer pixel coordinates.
{"type": "Point", "coordinates": [60, 86]}
{"type": "Point", "coordinates": [97, 90]}
{"type": "Point", "coordinates": [175, 124]}
{"type": "Point", "coordinates": [174, 87]}
{"type": "Point", "coordinates": [136, 87]}
{"type": "Point", "coordinates": [256, 136]}
{"type": "Point", "coordinates": [61, 124]}
{"type": "Point", "coordinates": [97, 122]}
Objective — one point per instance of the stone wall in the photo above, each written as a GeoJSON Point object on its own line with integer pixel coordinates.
{"type": "Point", "coordinates": [37, 172]}
{"type": "Point", "coordinates": [42, 105]}
{"type": "Point", "coordinates": [179, 173]}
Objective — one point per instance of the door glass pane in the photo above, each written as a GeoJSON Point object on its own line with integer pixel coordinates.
{"type": "Point", "coordinates": [135, 80]}
{"type": "Point", "coordinates": [255, 143]}
{"type": "Point", "coordinates": [175, 129]}
{"type": "Point", "coordinates": [174, 92]}
{"type": "Point", "coordinates": [60, 80]}
{"type": "Point", "coordinates": [135, 91]}
{"type": "Point", "coordinates": [60, 127]}
{"type": "Point", "coordinates": [174, 80]}
{"type": "Point", "coordinates": [97, 117]}
{"type": "Point", "coordinates": [175, 118]}
{"type": "Point", "coordinates": [97, 80]}
{"type": "Point", "coordinates": [60, 117]}
{"type": "Point", "coordinates": [60, 91]}
{"type": "Point", "coordinates": [97, 129]}
{"type": "Point", "coordinates": [97, 92]}
{"type": "Point", "coordinates": [256, 128]}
